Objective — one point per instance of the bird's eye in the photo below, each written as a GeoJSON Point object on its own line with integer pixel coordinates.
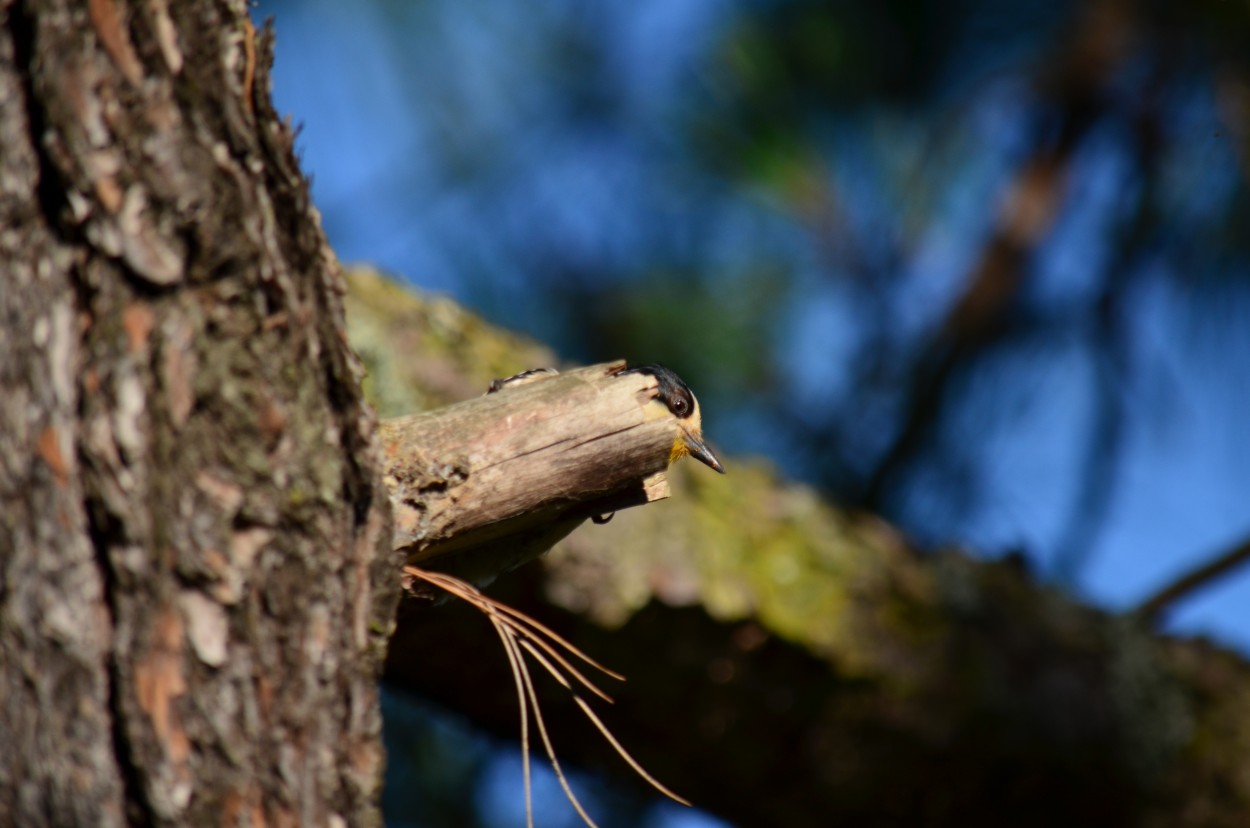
{"type": "Point", "coordinates": [681, 407]}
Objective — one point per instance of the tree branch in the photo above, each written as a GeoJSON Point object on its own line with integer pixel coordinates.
{"type": "Point", "coordinates": [776, 643]}
{"type": "Point", "coordinates": [1195, 579]}
{"type": "Point", "coordinates": [480, 487]}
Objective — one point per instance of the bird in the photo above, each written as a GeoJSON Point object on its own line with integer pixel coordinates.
{"type": "Point", "coordinates": [671, 392]}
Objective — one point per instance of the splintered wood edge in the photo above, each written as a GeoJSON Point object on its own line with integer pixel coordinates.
{"type": "Point", "coordinates": [656, 487]}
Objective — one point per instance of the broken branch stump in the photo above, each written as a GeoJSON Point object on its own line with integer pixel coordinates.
{"type": "Point", "coordinates": [482, 486]}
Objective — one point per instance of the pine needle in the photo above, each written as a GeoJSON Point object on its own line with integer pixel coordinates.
{"type": "Point", "coordinates": [517, 666]}
{"type": "Point", "coordinates": [520, 634]}
{"type": "Point", "coordinates": [551, 753]}
{"type": "Point", "coordinates": [624, 754]}
{"type": "Point", "coordinates": [531, 628]}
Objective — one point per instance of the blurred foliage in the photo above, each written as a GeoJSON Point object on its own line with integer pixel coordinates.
{"type": "Point", "coordinates": [896, 246]}
{"type": "Point", "coordinates": [982, 268]}
{"type": "Point", "coordinates": [427, 353]}
{"type": "Point", "coordinates": [776, 642]}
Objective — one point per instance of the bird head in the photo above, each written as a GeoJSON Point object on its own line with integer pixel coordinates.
{"type": "Point", "coordinates": [677, 399]}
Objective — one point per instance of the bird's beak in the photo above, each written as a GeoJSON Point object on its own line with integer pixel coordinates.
{"type": "Point", "coordinates": [699, 451]}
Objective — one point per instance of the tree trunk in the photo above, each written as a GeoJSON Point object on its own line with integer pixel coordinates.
{"type": "Point", "coordinates": [197, 577]}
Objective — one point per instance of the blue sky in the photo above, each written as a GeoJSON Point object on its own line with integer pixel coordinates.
{"type": "Point", "coordinates": [473, 217]}
{"type": "Point", "coordinates": [374, 141]}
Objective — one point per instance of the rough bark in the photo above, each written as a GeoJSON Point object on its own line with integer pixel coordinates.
{"type": "Point", "coordinates": [197, 576]}
{"type": "Point", "coordinates": [790, 663]}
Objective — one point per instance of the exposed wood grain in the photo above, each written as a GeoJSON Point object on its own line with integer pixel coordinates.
{"type": "Point", "coordinates": [480, 487]}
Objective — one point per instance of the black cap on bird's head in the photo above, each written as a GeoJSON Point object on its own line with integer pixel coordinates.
{"type": "Point", "coordinates": [672, 391]}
